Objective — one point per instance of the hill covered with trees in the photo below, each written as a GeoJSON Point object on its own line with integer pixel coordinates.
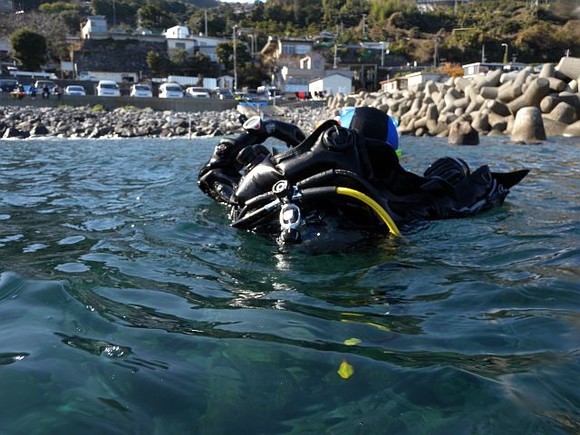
{"type": "Point", "coordinates": [535, 32]}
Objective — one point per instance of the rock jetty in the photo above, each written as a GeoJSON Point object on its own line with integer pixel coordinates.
{"type": "Point", "coordinates": [528, 105]}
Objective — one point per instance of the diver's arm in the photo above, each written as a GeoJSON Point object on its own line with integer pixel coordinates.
{"type": "Point", "coordinates": [265, 128]}
{"type": "Point", "coordinates": [221, 174]}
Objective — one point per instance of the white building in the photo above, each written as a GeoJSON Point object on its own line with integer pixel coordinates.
{"type": "Point", "coordinates": [332, 83]}
{"type": "Point", "coordinates": [180, 37]}
{"type": "Point", "coordinates": [297, 78]}
{"type": "Point", "coordinates": [480, 68]}
{"type": "Point", "coordinates": [418, 78]}
{"type": "Point", "coordinates": [95, 27]}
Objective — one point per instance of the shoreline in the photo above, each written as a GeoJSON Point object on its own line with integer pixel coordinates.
{"type": "Point", "coordinates": [22, 122]}
{"type": "Point", "coordinates": [526, 105]}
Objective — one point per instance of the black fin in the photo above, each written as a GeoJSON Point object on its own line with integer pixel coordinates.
{"type": "Point", "coordinates": [509, 179]}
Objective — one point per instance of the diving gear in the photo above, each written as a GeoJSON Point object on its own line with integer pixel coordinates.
{"type": "Point", "coordinates": [340, 179]}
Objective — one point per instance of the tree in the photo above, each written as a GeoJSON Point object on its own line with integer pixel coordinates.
{"type": "Point", "coordinates": [116, 11]}
{"type": "Point", "coordinates": [225, 54]}
{"type": "Point", "coordinates": [29, 48]}
{"type": "Point", "coordinates": [51, 26]}
{"type": "Point", "coordinates": [157, 63]}
{"type": "Point", "coordinates": [70, 13]}
{"type": "Point", "coordinates": [216, 23]}
{"type": "Point", "coordinates": [152, 17]}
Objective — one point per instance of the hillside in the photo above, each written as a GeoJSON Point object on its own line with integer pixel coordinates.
{"type": "Point", "coordinates": [491, 30]}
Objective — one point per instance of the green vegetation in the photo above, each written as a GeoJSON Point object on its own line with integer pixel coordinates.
{"type": "Point", "coordinates": [463, 34]}
{"type": "Point", "coordinates": [29, 48]}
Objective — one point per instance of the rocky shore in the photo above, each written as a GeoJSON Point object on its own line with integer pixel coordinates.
{"type": "Point", "coordinates": [527, 105]}
{"type": "Point", "coordinates": [88, 122]}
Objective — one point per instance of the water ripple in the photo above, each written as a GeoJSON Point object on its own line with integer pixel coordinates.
{"type": "Point", "coordinates": [118, 278]}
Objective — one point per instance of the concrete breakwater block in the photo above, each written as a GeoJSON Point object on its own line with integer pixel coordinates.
{"type": "Point", "coordinates": [528, 126]}
{"type": "Point", "coordinates": [532, 96]}
{"type": "Point", "coordinates": [510, 90]}
{"type": "Point", "coordinates": [553, 128]}
{"type": "Point", "coordinates": [462, 133]}
{"type": "Point", "coordinates": [549, 102]}
{"type": "Point", "coordinates": [564, 113]}
{"type": "Point", "coordinates": [573, 130]}
{"type": "Point", "coordinates": [488, 102]}
{"type": "Point", "coordinates": [570, 67]}
{"type": "Point", "coordinates": [547, 70]}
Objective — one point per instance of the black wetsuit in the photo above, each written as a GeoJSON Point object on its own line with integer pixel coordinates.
{"type": "Point", "coordinates": [310, 183]}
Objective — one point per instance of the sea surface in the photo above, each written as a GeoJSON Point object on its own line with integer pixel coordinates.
{"type": "Point", "coordinates": [129, 306]}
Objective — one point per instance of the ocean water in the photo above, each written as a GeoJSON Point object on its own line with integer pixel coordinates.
{"type": "Point", "coordinates": [129, 306]}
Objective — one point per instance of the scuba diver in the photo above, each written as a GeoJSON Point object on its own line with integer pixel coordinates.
{"type": "Point", "coordinates": [345, 176]}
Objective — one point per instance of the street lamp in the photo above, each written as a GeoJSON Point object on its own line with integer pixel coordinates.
{"type": "Point", "coordinates": [383, 51]}
{"type": "Point", "coordinates": [252, 45]}
{"type": "Point", "coordinates": [235, 60]}
{"type": "Point", "coordinates": [505, 53]}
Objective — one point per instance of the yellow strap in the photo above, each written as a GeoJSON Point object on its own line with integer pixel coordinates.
{"type": "Point", "coordinates": [372, 204]}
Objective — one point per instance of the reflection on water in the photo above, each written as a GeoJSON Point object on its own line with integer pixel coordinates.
{"type": "Point", "coordinates": [128, 305]}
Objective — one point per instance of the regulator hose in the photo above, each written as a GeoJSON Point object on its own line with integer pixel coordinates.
{"type": "Point", "coordinates": [375, 206]}
{"type": "Point", "coordinates": [252, 218]}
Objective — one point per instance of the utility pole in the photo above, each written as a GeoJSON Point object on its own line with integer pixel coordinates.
{"type": "Point", "coordinates": [205, 17]}
{"type": "Point", "coordinates": [235, 59]}
{"type": "Point", "coordinates": [114, 16]}
{"type": "Point", "coordinates": [436, 52]}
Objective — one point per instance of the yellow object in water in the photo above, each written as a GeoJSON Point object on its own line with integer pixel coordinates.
{"type": "Point", "coordinates": [351, 341]}
{"type": "Point", "coordinates": [345, 370]}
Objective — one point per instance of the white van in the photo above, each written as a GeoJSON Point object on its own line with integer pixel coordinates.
{"type": "Point", "coordinates": [170, 90]}
{"type": "Point", "coordinates": [108, 88]}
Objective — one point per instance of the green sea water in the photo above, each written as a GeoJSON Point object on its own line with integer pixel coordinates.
{"type": "Point", "coordinates": [129, 306]}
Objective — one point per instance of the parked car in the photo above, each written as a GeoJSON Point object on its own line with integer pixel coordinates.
{"type": "Point", "coordinates": [141, 90]}
{"type": "Point", "coordinates": [197, 92]}
{"type": "Point", "coordinates": [8, 85]}
{"type": "Point", "coordinates": [170, 90]}
{"type": "Point", "coordinates": [108, 88]}
{"type": "Point", "coordinates": [225, 94]}
{"type": "Point", "coordinates": [75, 90]}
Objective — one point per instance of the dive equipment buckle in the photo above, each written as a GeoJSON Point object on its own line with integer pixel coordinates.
{"type": "Point", "coordinates": [290, 214]}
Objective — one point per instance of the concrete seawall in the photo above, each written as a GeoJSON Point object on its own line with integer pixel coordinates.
{"type": "Point", "coordinates": [111, 103]}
